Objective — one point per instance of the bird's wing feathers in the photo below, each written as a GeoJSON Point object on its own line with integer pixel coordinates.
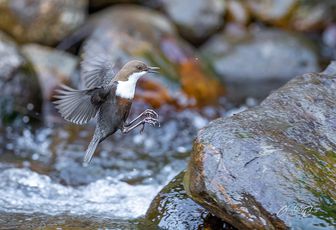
{"type": "Point", "coordinates": [100, 94]}
{"type": "Point", "coordinates": [97, 68]}
{"type": "Point", "coordinates": [80, 106]}
{"type": "Point", "coordinates": [75, 105]}
{"type": "Point", "coordinates": [97, 71]}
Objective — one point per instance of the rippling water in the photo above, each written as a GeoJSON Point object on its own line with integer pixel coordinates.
{"type": "Point", "coordinates": [43, 182]}
{"type": "Point", "coordinates": [42, 178]}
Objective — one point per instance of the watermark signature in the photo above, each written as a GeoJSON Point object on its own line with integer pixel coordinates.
{"type": "Point", "coordinates": [295, 209]}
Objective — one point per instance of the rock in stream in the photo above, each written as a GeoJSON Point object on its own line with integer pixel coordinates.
{"type": "Point", "coordinates": [273, 166]}
{"type": "Point", "coordinates": [198, 21]}
{"type": "Point", "coordinates": [20, 93]}
{"type": "Point", "coordinates": [173, 207]}
{"type": "Point", "coordinates": [53, 67]}
{"type": "Point", "coordinates": [44, 21]}
{"type": "Point", "coordinates": [256, 61]}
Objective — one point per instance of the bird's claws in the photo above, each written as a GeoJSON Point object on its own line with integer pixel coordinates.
{"type": "Point", "coordinates": [151, 113]}
{"type": "Point", "coordinates": [151, 121]}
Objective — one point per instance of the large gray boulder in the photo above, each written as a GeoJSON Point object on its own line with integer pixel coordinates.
{"type": "Point", "coordinates": [20, 93]}
{"type": "Point", "coordinates": [196, 19]}
{"type": "Point", "coordinates": [53, 67]}
{"type": "Point", "coordinates": [46, 21]}
{"type": "Point", "coordinates": [273, 166]}
{"type": "Point", "coordinates": [257, 61]}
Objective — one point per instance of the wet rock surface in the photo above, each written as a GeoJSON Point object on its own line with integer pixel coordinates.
{"type": "Point", "coordinates": [173, 207]}
{"type": "Point", "coordinates": [272, 167]}
{"type": "Point", "coordinates": [267, 58]}
{"type": "Point", "coordinates": [198, 21]}
{"type": "Point", "coordinates": [140, 33]}
{"type": "Point", "coordinates": [20, 94]}
{"type": "Point", "coordinates": [46, 22]}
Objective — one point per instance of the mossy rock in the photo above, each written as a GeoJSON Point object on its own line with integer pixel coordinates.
{"type": "Point", "coordinates": [281, 172]}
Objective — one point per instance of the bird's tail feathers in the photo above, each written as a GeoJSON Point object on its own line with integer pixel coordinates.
{"type": "Point", "coordinates": [90, 151]}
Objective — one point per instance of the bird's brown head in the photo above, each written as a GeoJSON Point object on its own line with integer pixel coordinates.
{"type": "Point", "coordinates": [134, 69]}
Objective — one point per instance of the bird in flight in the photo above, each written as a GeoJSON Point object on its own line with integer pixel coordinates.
{"type": "Point", "coordinates": [107, 96]}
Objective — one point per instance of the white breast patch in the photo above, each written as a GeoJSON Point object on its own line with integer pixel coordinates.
{"type": "Point", "coordinates": [126, 89]}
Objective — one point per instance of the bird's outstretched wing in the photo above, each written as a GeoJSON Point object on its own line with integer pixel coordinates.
{"type": "Point", "coordinates": [79, 106]}
{"type": "Point", "coordinates": [97, 71]}
{"type": "Point", "coordinates": [97, 68]}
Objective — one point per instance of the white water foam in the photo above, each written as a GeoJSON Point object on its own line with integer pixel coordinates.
{"type": "Point", "coordinates": [24, 191]}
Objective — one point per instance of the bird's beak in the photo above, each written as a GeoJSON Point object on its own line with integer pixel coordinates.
{"type": "Point", "coordinates": [152, 69]}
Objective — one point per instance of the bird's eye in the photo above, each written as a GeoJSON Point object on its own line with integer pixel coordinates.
{"type": "Point", "coordinates": [139, 67]}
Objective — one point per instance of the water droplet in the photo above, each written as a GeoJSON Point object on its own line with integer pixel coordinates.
{"type": "Point", "coordinates": [25, 119]}
{"type": "Point", "coordinates": [30, 106]}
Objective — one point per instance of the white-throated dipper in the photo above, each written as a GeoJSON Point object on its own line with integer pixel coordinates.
{"type": "Point", "coordinates": [110, 98]}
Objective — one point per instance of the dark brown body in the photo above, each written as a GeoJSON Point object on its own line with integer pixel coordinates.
{"type": "Point", "coordinates": [112, 116]}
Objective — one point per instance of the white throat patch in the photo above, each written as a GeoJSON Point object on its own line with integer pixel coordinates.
{"type": "Point", "coordinates": [126, 89]}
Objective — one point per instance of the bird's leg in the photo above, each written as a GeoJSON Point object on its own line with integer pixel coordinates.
{"type": "Point", "coordinates": [147, 120]}
{"type": "Point", "coordinates": [147, 113]}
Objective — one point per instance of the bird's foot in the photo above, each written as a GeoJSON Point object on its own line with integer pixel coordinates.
{"type": "Point", "coordinates": [151, 121]}
{"type": "Point", "coordinates": [151, 113]}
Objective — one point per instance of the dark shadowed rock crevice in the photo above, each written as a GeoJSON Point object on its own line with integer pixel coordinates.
{"type": "Point", "coordinates": [272, 167]}
{"type": "Point", "coordinates": [172, 207]}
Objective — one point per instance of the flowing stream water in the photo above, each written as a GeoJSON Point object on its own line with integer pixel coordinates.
{"type": "Point", "coordinates": [44, 184]}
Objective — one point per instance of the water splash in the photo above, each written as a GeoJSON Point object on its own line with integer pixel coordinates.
{"type": "Point", "coordinates": [24, 191]}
